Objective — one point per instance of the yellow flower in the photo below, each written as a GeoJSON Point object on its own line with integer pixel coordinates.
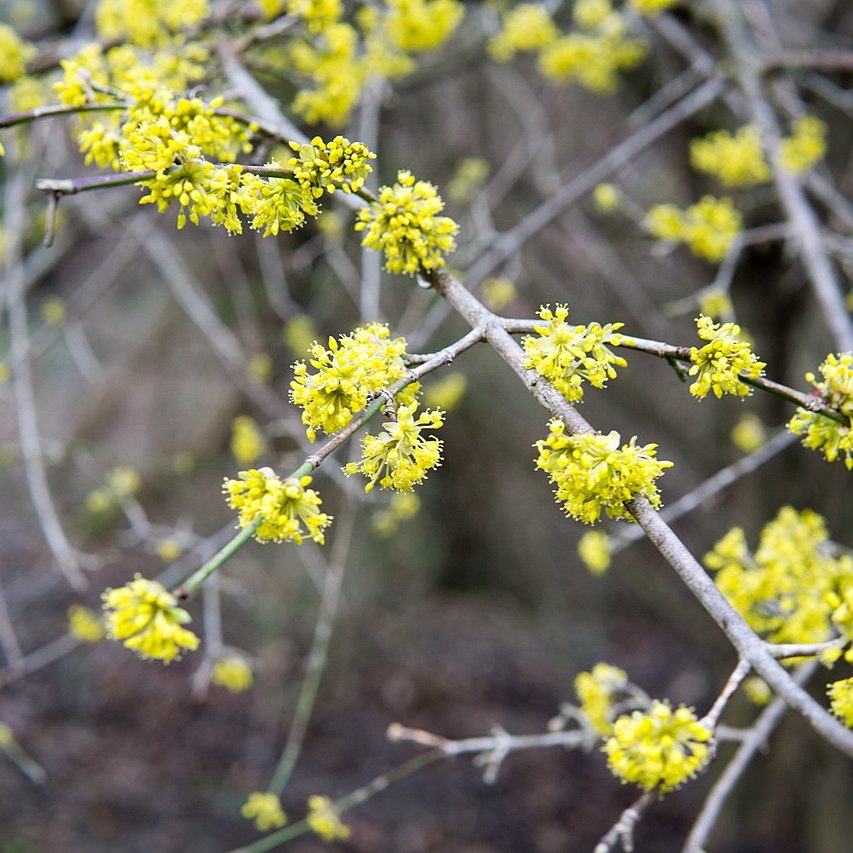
{"type": "Point", "coordinates": [749, 433]}
{"type": "Point", "coordinates": [405, 225]}
{"type": "Point", "coordinates": [606, 197]}
{"type": "Point", "coordinates": [264, 810]}
{"type": "Point", "coordinates": [299, 332]}
{"type": "Point", "coordinates": [247, 441]}
{"type": "Point", "coordinates": [799, 152]}
{"type": "Point", "coordinates": [400, 458]}
{"type": "Point", "coordinates": [708, 227]}
{"type": "Point", "coordinates": [145, 616]}
{"type": "Point", "coordinates": [14, 54]}
{"type": "Point", "coordinates": [566, 355]}
{"type": "Point", "coordinates": [287, 510]}
{"type": "Point", "coordinates": [593, 474]}
{"type": "Point", "coordinates": [594, 550]}
{"type": "Point", "coordinates": [737, 159]}
{"type": "Point", "coordinates": [419, 25]}
{"type": "Point", "coordinates": [233, 673]}
{"type": "Point", "coordinates": [324, 820]}
{"type": "Point", "coordinates": [723, 361]}
{"type": "Point", "coordinates": [346, 375]}
{"type": "Point", "coordinates": [841, 700]}
{"type": "Point", "coordinates": [660, 748]}
{"type": "Point", "coordinates": [446, 393]}
{"type": "Point", "coordinates": [836, 389]}
{"type": "Point", "coordinates": [168, 550]}
{"type": "Point", "coordinates": [498, 293]}
{"type": "Point", "coordinates": [597, 691]}
{"type": "Point", "coordinates": [84, 624]}
{"type": "Point", "coordinates": [527, 26]}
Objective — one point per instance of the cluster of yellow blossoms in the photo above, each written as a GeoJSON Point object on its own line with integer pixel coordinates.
{"type": "Point", "coordinates": [592, 55]}
{"type": "Point", "coordinates": [233, 673]}
{"type": "Point", "coordinates": [598, 692]}
{"type": "Point", "coordinates": [721, 363]}
{"type": "Point", "coordinates": [14, 55]}
{"type": "Point", "coordinates": [737, 159]}
{"type": "Point", "coordinates": [567, 355]}
{"type": "Point", "coordinates": [283, 510]}
{"type": "Point", "coordinates": [833, 439]}
{"type": "Point", "coordinates": [708, 227]}
{"type": "Point", "coordinates": [400, 457]}
{"type": "Point", "coordinates": [654, 746]}
{"type": "Point", "coordinates": [658, 749]}
{"type": "Point", "coordinates": [790, 589]}
{"type": "Point", "coordinates": [346, 376]}
{"type": "Point", "coordinates": [264, 810]}
{"type": "Point", "coordinates": [805, 147]}
{"type": "Point", "coordinates": [405, 225]}
{"type": "Point", "coordinates": [593, 474]}
{"type": "Point", "coordinates": [594, 551]}
{"type": "Point", "coordinates": [331, 59]}
{"type": "Point", "coordinates": [247, 441]}
{"type": "Point", "coordinates": [145, 616]}
{"type": "Point", "coordinates": [147, 23]}
{"type": "Point", "coordinates": [324, 819]}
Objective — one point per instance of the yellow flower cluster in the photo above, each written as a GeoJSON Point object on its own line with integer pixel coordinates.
{"type": "Point", "coordinates": [401, 507]}
{"type": "Point", "coordinates": [841, 700]}
{"type": "Point", "coordinates": [405, 225]}
{"type": "Point", "coordinates": [659, 748]}
{"type": "Point", "coordinates": [247, 441]}
{"type": "Point", "coordinates": [468, 177]}
{"type": "Point", "coordinates": [593, 58]}
{"type": "Point", "coordinates": [325, 820]}
{"type": "Point", "coordinates": [606, 197]}
{"type": "Point", "coordinates": [14, 55]}
{"type": "Point", "coordinates": [400, 457]}
{"type": "Point", "coordinates": [594, 474]}
{"type": "Point", "coordinates": [527, 26]}
{"type": "Point", "coordinates": [346, 376]}
{"type": "Point", "coordinates": [594, 550]}
{"type": "Point", "coordinates": [288, 511]}
{"type": "Point", "coordinates": [146, 617]}
{"type": "Point", "coordinates": [299, 333]}
{"type": "Point", "coordinates": [498, 293]}
{"type": "Point", "coordinates": [147, 23]}
{"type": "Point", "coordinates": [749, 433]}
{"type": "Point", "coordinates": [801, 151]}
{"type": "Point", "coordinates": [568, 355]}
{"type": "Point", "coordinates": [328, 64]}
{"type": "Point", "coordinates": [446, 393]}
{"type": "Point", "coordinates": [420, 25]}
{"type": "Point", "coordinates": [264, 810]}
{"type": "Point", "coordinates": [708, 227]}
{"type": "Point", "coordinates": [84, 625]}
{"type": "Point", "coordinates": [836, 389]}
{"type": "Point", "coordinates": [716, 303]}
{"type": "Point", "coordinates": [323, 166]}
{"type": "Point", "coordinates": [598, 691]}
{"type": "Point", "coordinates": [790, 589]}
{"type": "Point", "coordinates": [720, 364]}
{"type": "Point", "coordinates": [120, 484]}
{"type": "Point", "coordinates": [233, 673]}
{"type": "Point", "coordinates": [737, 159]}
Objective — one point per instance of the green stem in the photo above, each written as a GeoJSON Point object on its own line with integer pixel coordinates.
{"type": "Point", "coordinates": [192, 583]}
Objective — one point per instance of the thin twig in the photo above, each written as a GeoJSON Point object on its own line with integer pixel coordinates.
{"type": "Point", "coordinates": [754, 740]}
{"type": "Point", "coordinates": [318, 654]}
